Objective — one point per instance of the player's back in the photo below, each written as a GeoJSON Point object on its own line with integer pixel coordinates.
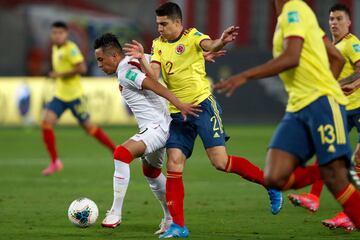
{"type": "Point", "coordinates": [312, 78]}
{"type": "Point", "coordinates": [64, 59]}
{"type": "Point", "coordinates": [148, 107]}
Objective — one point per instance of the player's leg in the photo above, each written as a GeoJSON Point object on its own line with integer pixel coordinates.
{"type": "Point", "coordinates": [151, 166]}
{"type": "Point", "coordinates": [179, 147]}
{"type": "Point", "coordinates": [123, 156]}
{"type": "Point", "coordinates": [78, 109]}
{"type": "Point", "coordinates": [53, 111]}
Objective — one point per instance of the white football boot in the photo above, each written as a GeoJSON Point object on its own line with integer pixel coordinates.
{"type": "Point", "coordinates": [164, 225]}
{"type": "Point", "coordinates": [111, 220]}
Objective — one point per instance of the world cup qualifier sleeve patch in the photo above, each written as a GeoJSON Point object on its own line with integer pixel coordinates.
{"type": "Point", "coordinates": [356, 47]}
{"type": "Point", "coordinates": [293, 17]}
{"type": "Point", "coordinates": [131, 75]}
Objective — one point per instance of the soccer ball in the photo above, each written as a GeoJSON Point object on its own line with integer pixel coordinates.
{"type": "Point", "coordinates": [83, 212]}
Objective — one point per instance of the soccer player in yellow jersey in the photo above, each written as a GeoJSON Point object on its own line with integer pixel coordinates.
{"type": "Point", "coordinates": [349, 46]}
{"type": "Point", "coordinates": [68, 63]}
{"type": "Point", "coordinates": [315, 118]}
{"type": "Point", "coordinates": [178, 54]}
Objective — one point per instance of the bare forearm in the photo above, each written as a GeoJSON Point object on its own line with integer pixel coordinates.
{"type": "Point", "coordinates": [214, 45]}
{"type": "Point", "coordinates": [336, 66]}
{"type": "Point", "coordinates": [350, 79]}
{"type": "Point", "coordinates": [147, 69]}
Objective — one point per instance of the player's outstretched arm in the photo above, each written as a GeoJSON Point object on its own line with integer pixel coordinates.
{"type": "Point", "coordinates": [211, 56]}
{"type": "Point", "coordinates": [185, 108]}
{"type": "Point", "coordinates": [136, 50]}
{"type": "Point", "coordinates": [227, 36]}
{"type": "Point", "coordinates": [290, 58]}
{"type": "Point", "coordinates": [336, 60]}
{"type": "Point", "coordinates": [351, 83]}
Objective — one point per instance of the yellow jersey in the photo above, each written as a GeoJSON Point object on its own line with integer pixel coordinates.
{"type": "Point", "coordinates": [64, 59]}
{"type": "Point", "coordinates": [312, 78]}
{"type": "Point", "coordinates": [349, 46]}
{"type": "Point", "coordinates": [183, 66]}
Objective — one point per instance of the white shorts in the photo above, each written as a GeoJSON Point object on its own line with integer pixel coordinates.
{"type": "Point", "coordinates": [155, 139]}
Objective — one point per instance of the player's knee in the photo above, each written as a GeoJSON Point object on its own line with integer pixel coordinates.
{"type": "Point", "coordinates": [46, 124]}
{"type": "Point", "coordinates": [89, 129]}
{"type": "Point", "coordinates": [150, 171]}
{"type": "Point", "coordinates": [123, 155]}
{"type": "Point", "coordinates": [219, 164]}
{"type": "Point", "coordinates": [273, 181]}
{"type": "Point", "coordinates": [175, 165]}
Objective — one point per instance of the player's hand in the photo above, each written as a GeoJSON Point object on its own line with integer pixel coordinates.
{"type": "Point", "coordinates": [54, 74]}
{"type": "Point", "coordinates": [134, 49]}
{"type": "Point", "coordinates": [229, 34]}
{"type": "Point", "coordinates": [210, 56]}
{"type": "Point", "coordinates": [189, 109]}
{"type": "Point", "coordinates": [229, 85]}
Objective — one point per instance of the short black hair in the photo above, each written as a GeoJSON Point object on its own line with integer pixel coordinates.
{"type": "Point", "coordinates": [108, 41]}
{"type": "Point", "coordinates": [59, 24]}
{"type": "Point", "coordinates": [340, 7]}
{"type": "Point", "coordinates": [169, 9]}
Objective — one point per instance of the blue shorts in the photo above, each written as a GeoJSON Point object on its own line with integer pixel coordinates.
{"type": "Point", "coordinates": [77, 107]}
{"type": "Point", "coordinates": [208, 125]}
{"type": "Point", "coordinates": [353, 120]}
{"type": "Point", "coordinates": [316, 129]}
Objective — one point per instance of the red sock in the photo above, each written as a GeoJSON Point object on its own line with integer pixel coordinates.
{"type": "Point", "coordinates": [317, 187]}
{"type": "Point", "coordinates": [245, 169]}
{"type": "Point", "coordinates": [175, 196]}
{"type": "Point", "coordinates": [49, 140]}
{"type": "Point", "coordinates": [100, 135]}
{"type": "Point", "coordinates": [302, 177]}
{"type": "Point", "coordinates": [349, 198]}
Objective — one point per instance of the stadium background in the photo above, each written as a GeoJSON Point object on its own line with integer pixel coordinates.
{"type": "Point", "coordinates": [25, 51]}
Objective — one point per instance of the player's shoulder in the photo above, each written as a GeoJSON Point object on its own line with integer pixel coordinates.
{"type": "Point", "coordinates": [128, 64]}
{"type": "Point", "coordinates": [295, 4]}
{"type": "Point", "coordinates": [351, 38]}
{"type": "Point", "coordinates": [70, 44]}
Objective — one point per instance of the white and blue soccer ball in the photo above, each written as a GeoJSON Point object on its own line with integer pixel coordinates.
{"type": "Point", "coordinates": [83, 212]}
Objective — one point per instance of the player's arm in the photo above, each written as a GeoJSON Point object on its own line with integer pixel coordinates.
{"type": "Point", "coordinates": [352, 82]}
{"type": "Point", "coordinates": [185, 108]}
{"type": "Point", "coordinates": [336, 60]}
{"type": "Point", "coordinates": [227, 36]}
{"type": "Point", "coordinates": [289, 58]}
{"type": "Point", "coordinates": [136, 50]}
{"type": "Point", "coordinates": [79, 68]}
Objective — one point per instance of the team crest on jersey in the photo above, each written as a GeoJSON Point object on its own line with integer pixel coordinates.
{"type": "Point", "coordinates": [159, 52]}
{"type": "Point", "coordinates": [180, 49]}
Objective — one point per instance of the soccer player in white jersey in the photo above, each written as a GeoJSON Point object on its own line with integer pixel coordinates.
{"type": "Point", "coordinates": [142, 96]}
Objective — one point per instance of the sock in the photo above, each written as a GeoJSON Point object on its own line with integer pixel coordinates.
{"type": "Point", "coordinates": [175, 196]}
{"type": "Point", "coordinates": [122, 159]}
{"type": "Point", "coordinates": [100, 135]}
{"type": "Point", "coordinates": [157, 183]}
{"type": "Point", "coordinates": [49, 140]}
{"type": "Point", "coordinates": [302, 177]}
{"type": "Point", "coordinates": [120, 184]}
{"type": "Point", "coordinates": [245, 169]}
{"type": "Point", "coordinates": [317, 187]}
{"type": "Point", "coordinates": [349, 198]}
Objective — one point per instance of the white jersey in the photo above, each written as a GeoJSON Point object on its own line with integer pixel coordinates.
{"type": "Point", "coordinates": [148, 107]}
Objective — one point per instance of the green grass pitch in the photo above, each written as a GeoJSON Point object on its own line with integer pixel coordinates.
{"type": "Point", "coordinates": [217, 205]}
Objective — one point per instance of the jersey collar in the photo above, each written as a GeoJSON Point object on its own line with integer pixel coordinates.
{"type": "Point", "coordinates": [338, 41]}
{"type": "Point", "coordinates": [178, 38]}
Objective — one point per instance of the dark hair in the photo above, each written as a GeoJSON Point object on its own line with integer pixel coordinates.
{"type": "Point", "coordinates": [340, 7]}
{"type": "Point", "coordinates": [169, 9]}
{"type": "Point", "coordinates": [59, 24]}
{"type": "Point", "coordinates": [108, 41]}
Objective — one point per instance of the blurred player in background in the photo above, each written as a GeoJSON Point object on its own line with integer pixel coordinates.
{"type": "Point", "coordinates": [178, 54]}
{"type": "Point", "coordinates": [142, 95]}
{"type": "Point", "coordinates": [315, 114]}
{"type": "Point", "coordinates": [349, 46]}
{"type": "Point", "coordinates": [68, 64]}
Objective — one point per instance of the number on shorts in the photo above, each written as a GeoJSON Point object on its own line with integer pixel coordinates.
{"type": "Point", "coordinates": [327, 134]}
{"type": "Point", "coordinates": [215, 127]}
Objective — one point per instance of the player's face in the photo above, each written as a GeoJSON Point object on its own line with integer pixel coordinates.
{"type": "Point", "coordinates": [339, 23]}
{"type": "Point", "coordinates": [167, 27]}
{"type": "Point", "coordinates": [58, 35]}
{"type": "Point", "coordinates": [106, 62]}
